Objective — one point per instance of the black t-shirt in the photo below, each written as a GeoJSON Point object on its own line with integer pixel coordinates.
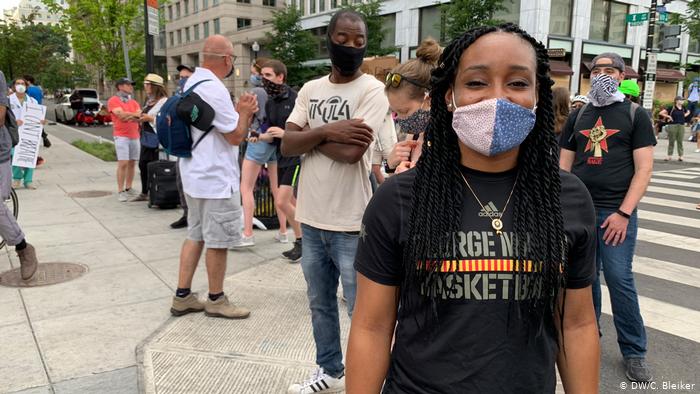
{"type": "Point", "coordinates": [484, 341]}
{"type": "Point", "coordinates": [678, 115]}
{"type": "Point", "coordinates": [278, 109]}
{"type": "Point", "coordinates": [604, 140]}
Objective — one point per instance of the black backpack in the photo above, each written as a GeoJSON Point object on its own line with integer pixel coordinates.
{"type": "Point", "coordinates": [11, 125]}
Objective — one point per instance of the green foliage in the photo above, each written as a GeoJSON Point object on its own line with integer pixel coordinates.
{"type": "Point", "coordinates": [299, 75]}
{"type": "Point", "coordinates": [96, 36]}
{"type": "Point", "coordinates": [691, 21]}
{"type": "Point", "coordinates": [102, 150]}
{"type": "Point", "coordinates": [288, 42]}
{"type": "Point", "coordinates": [462, 15]}
{"type": "Point", "coordinates": [61, 74]}
{"type": "Point", "coordinates": [375, 29]}
{"type": "Point", "coordinates": [30, 48]}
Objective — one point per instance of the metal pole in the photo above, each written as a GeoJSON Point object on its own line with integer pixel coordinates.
{"type": "Point", "coordinates": [649, 93]}
{"type": "Point", "coordinates": [126, 53]}
{"type": "Point", "coordinates": [149, 40]}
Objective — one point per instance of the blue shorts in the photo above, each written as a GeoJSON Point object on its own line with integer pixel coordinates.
{"type": "Point", "coordinates": [261, 152]}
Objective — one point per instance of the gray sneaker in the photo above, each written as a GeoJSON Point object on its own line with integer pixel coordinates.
{"type": "Point", "coordinates": [223, 308]}
{"type": "Point", "coordinates": [184, 305]}
{"type": "Point", "coordinates": [637, 370]}
{"type": "Point", "coordinates": [28, 262]}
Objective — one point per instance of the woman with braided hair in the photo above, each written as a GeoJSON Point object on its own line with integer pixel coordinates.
{"type": "Point", "coordinates": [479, 261]}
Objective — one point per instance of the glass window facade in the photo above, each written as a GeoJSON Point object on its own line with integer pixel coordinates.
{"type": "Point", "coordinates": [608, 21]}
{"type": "Point", "coordinates": [560, 17]}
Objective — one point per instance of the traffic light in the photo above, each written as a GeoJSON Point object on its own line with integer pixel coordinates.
{"type": "Point", "coordinates": [669, 37]}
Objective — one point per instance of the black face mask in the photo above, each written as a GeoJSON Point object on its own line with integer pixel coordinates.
{"type": "Point", "coordinates": [233, 68]}
{"type": "Point", "coordinates": [346, 59]}
{"type": "Point", "coordinates": [273, 89]}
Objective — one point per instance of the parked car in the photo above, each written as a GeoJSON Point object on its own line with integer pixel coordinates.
{"type": "Point", "coordinates": [68, 106]}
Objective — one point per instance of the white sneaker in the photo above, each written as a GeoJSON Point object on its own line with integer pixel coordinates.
{"type": "Point", "coordinates": [319, 382]}
{"type": "Point", "coordinates": [245, 242]}
{"type": "Point", "coordinates": [123, 196]}
{"type": "Point", "coordinates": [282, 238]}
{"type": "Point", "coordinates": [132, 192]}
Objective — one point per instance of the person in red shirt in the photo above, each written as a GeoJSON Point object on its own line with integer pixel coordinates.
{"type": "Point", "coordinates": [126, 114]}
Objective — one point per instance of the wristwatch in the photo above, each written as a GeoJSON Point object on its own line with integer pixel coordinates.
{"type": "Point", "coordinates": [387, 169]}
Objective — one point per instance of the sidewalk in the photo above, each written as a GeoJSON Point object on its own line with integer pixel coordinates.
{"type": "Point", "coordinates": [80, 336]}
{"type": "Point", "coordinates": [689, 154]}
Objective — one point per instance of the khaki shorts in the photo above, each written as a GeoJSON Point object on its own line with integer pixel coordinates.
{"type": "Point", "coordinates": [217, 222]}
{"type": "Point", "coordinates": [127, 148]}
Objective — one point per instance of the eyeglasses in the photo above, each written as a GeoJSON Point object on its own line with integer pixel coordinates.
{"type": "Point", "coordinates": [233, 57]}
{"type": "Point", "coordinates": [394, 80]}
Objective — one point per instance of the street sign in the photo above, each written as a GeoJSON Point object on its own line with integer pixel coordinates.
{"type": "Point", "coordinates": [556, 52]}
{"type": "Point", "coordinates": [663, 17]}
{"type": "Point", "coordinates": [153, 21]}
{"type": "Point", "coordinates": [648, 102]}
{"type": "Point", "coordinates": [637, 19]}
{"type": "Point", "coordinates": [651, 63]}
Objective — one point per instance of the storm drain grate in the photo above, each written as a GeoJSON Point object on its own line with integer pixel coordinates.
{"type": "Point", "coordinates": [46, 274]}
{"type": "Point", "coordinates": [89, 194]}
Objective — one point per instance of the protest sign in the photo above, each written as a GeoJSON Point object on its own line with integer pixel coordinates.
{"type": "Point", "coordinates": [27, 150]}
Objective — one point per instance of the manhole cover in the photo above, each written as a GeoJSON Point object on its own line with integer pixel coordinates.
{"type": "Point", "coordinates": [89, 194]}
{"type": "Point", "coordinates": [46, 274]}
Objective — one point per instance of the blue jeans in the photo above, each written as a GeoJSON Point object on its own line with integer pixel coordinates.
{"type": "Point", "coordinates": [616, 263]}
{"type": "Point", "coordinates": [326, 257]}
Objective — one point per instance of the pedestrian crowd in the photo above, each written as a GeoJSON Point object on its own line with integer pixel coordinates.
{"type": "Point", "coordinates": [466, 207]}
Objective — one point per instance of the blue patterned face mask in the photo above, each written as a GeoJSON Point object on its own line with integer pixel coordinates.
{"type": "Point", "coordinates": [492, 126]}
{"type": "Point", "coordinates": [255, 80]}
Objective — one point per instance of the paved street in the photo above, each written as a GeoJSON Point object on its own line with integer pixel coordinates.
{"type": "Point", "coordinates": [110, 331]}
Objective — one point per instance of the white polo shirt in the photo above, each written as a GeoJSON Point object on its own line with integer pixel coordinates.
{"type": "Point", "coordinates": [212, 172]}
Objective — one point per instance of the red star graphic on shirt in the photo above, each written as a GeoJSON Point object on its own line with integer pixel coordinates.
{"type": "Point", "coordinates": [598, 137]}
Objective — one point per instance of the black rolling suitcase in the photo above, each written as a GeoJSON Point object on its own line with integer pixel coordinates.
{"type": "Point", "coordinates": [162, 184]}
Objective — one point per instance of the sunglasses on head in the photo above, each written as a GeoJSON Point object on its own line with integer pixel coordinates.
{"type": "Point", "coordinates": [394, 80]}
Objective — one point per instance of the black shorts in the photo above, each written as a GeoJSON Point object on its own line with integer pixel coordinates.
{"type": "Point", "coordinates": [288, 176]}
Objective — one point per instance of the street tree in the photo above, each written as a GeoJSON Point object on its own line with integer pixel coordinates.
{"type": "Point", "coordinates": [29, 48]}
{"type": "Point", "coordinates": [459, 16]}
{"type": "Point", "coordinates": [291, 44]}
{"type": "Point", "coordinates": [95, 30]}
{"type": "Point", "coordinates": [376, 32]}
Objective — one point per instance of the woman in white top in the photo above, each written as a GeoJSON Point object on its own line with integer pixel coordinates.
{"type": "Point", "coordinates": [18, 104]}
{"type": "Point", "coordinates": [154, 87]}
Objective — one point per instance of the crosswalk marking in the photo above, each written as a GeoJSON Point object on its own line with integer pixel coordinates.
{"type": "Point", "coordinates": [693, 169]}
{"type": "Point", "coordinates": [675, 183]}
{"type": "Point", "coordinates": [666, 239]}
{"type": "Point", "coordinates": [662, 202]}
{"type": "Point", "coordinates": [666, 218]}
{"type": "Point", "coordinates": [685, 172]}
{"type": "Point", "coordinates": [675, 192]}
{"type": "Point", "coordinates": [667, 271]}
{"type": "Point", "coordinates": [662, 316]}
{"type": "Point", "coordinates": [674, 175]}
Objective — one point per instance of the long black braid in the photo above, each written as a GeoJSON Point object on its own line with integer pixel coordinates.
{"type": "Point", "coordinates": [438, 190]}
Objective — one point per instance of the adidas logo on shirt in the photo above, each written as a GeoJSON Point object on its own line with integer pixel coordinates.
{"type": "Point", "coordinates": [490, 211]}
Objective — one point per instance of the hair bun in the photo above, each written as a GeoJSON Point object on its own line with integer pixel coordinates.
{"type": "Point", "coordinates": [429, 51]}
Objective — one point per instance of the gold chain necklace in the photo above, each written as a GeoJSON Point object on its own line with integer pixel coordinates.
{"type": "Point", "coordinates": [496, 222]}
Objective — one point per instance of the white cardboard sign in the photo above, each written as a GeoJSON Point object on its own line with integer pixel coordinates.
{"type": "Point", "coordinates": [27, 150]}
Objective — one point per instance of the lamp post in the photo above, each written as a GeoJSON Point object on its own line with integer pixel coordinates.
{"type": "Point", "coordinates": [255, 47]}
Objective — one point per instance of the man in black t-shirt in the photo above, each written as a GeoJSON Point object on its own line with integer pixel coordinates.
{"type": "Point", "coordinates": [610, 146]}
{"type": "Point", "coordinates": [278, 107]}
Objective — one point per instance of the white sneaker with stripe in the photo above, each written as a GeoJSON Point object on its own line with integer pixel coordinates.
{"type": "Point", "coordinates": [319, 382]}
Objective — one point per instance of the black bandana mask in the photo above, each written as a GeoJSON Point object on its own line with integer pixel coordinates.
{"type": "Point", "coordinates": [273, 89]}
{"type": "Point", "coordinates": [346, 59]}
